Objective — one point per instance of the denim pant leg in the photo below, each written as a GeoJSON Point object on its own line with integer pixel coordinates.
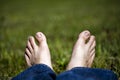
{"type": "Point", "coordinates": [36, 72]}
{"type": "Point", "coordinates": [81, 73]}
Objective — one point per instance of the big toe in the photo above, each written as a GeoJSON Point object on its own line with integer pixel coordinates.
{"type": "Point", "coordinates": [40, 37]}
{"type": "Point", "coordinates": [83, 37]}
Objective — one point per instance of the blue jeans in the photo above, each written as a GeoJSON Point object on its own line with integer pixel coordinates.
{"type": "Point", "coordinates": [43, 72]}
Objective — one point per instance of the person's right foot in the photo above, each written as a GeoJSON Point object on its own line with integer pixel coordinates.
{"type": "Point", "coordinates": [37, 54]}
{"type": "Point", "coordinates": [83, 52]}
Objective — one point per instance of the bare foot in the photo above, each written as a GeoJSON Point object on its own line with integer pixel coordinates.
{"type": "Point", "coordinates": [37, 54]}
{"type": "Point", "coordinates": [83, 52]}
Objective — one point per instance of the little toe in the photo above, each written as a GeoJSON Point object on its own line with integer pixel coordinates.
{"type": "Point", "coordinates": [90, 62]}
{"type": "Point", "coordinates": [40, 37]}
{"type": "Point", "coordinates": [91, 58]}
{"type": "Point", "coordinates": [83, 36]}
{"type": "Point", "coordinates": [27, 60]}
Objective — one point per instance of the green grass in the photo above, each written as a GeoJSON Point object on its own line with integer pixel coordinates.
{"type": "Point", "coordinates": [61, 21]}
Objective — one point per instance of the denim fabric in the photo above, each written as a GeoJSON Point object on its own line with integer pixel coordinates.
{"type": "Point", "coordinates": [36, 72]}
{"type": "Point", "coordinates": [43, 72]}
{"type": "Point", "coordinates": [82, 73]}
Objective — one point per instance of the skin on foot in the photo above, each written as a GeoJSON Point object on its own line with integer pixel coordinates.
{"type": "Point", "coordinates": [37, 53]}
{"type": "Point", "coordinates": [83, 52]}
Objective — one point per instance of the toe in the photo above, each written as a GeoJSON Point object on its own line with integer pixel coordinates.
{"type": "Point", "coordinates": [90, 62]}
{"type": "Point", "coordinates": [91, 41]}
{"type": "Point", "coordinates": [27, 52]}
{"type": "Point", "coordinates": [91, 58]}
{"type": "Point", "coordinates": [83, 36]}
{"type": "Point", "coordinates": [32, 42]}
{"type": "Point", "coordinates": [29, 46]}
{"type": "Point", "coordinates": [91, 53]}
{"type": "Point", "coordinates": [40, 37]}
{"type": "Point", "coordinates": [93, 46]}
{"type": "Point", "coordinates": [27, 60]}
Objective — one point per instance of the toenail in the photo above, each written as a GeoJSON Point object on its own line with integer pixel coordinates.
{"type": "Point", "coordinates": [39, 35]}
{"type": "Point", "coordinates": [87, 34]}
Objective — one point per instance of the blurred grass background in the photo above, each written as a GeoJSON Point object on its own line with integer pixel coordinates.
{"type": "Point", "coordinates": [61, 21]}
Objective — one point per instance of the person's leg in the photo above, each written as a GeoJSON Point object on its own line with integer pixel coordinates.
{"type": "Point", "coordinates": [38, 59]}
{"type": "Point", "coordinates": [81, 60]}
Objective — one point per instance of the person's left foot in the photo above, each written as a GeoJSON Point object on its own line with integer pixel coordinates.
{"type": "Point", "coordinates": [37, 54]}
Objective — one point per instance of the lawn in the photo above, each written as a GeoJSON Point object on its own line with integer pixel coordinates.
{"type": "Point", "coordinates": [61, 21]}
